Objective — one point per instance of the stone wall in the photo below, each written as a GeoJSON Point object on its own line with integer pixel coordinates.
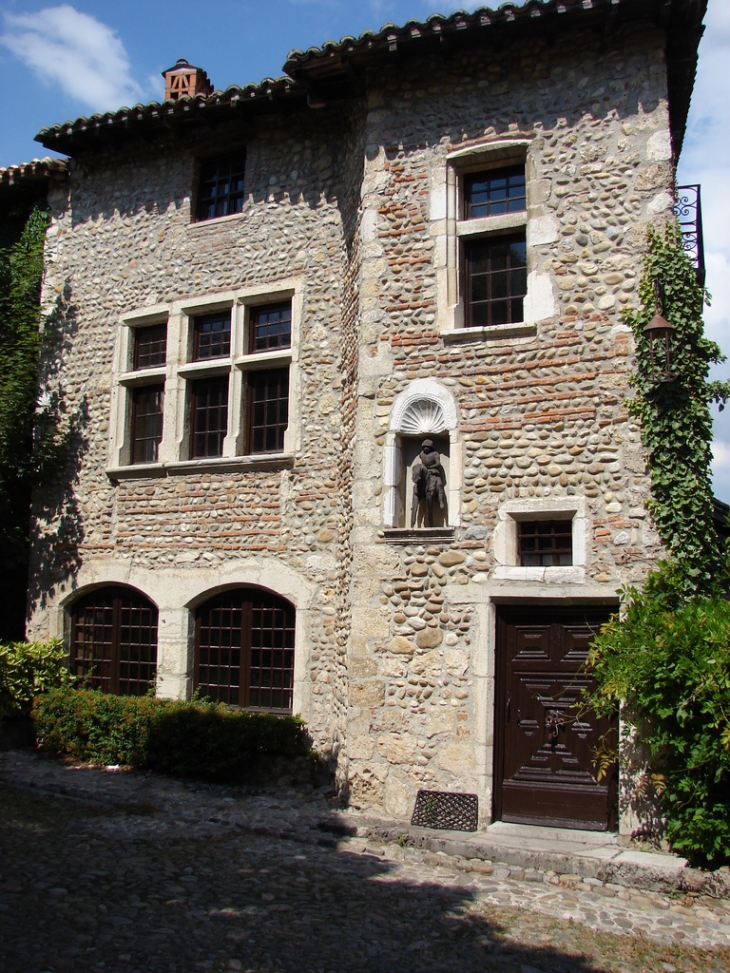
{"type": "Point", "coordinates": [542, 417]}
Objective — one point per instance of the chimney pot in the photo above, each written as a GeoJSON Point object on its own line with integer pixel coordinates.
{"type": "Point", "coordinates": [185, 79]}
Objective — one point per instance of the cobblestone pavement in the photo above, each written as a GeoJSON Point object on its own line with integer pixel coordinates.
{"type": "Point", "coordinates": [105, 872]}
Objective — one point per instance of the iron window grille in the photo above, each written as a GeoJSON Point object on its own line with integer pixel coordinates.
{"type": "Point", "coordinates": [494, 192]}
{"type": "Point", "coordinates": [150, 346]}
{"type": "Point", "coordinates": [495, 280]}
{"type": "Point", "coordinates": [244, 650]}
{"type": "Point", "coordinates": [147, 413]}
{"type": "Point", "coordinates": [545, 543]}
{"type": "Point", "coordinates": [221, 187]}
{"type": "Point", "coordinates": [209, 416]}
{"type": "Point", "coordinates": [114, 641]}
{"type": "Point", "coordinates": [212, 336]}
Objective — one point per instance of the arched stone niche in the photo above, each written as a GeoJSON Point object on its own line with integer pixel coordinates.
{"type": "Point", "coordinates": [425, 410]}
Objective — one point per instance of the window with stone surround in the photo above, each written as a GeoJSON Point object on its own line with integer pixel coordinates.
{"type": "Point", "coordinates": [244, 650]}
{"type": "Point", "coordinates": [221, 186]}
{"type": "Point", "coordinates": [493, 264]}
{"type": "Point", "coordinates": [113, 636]}
{"type": "Point", "coordinates": [210, 381]}
{"type": "Point", "coordinates": [539, 539]}
{"type": "Point", "coordinates": [486, 221]}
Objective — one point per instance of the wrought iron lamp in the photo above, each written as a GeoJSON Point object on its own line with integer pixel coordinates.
{"type": "Point", "coordinates": [658, 333]}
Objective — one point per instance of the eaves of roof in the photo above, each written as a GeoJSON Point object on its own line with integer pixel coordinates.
{"type": "Point", "coordinates": [271, 94]}
{"type": "Point", "coordinates": [36, 171]}
{"type": "Point", "coordinates": [337, 69]}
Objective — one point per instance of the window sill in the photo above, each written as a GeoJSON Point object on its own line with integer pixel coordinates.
{"type": "Point", "coordinates": [522, 329]}
{"type": "Point", "coordinates": [417, 535]}
{"type": "Point", "coordinates": [574, 574]}
{"type": "Point", "coordinates": [216, 464]}
{"type": "Point", "coordinates": [197, 226]}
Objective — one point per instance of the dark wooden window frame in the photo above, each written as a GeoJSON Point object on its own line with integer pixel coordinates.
{"type": "Point", "coordinates": [484, 196]}
{"type": "Point", "coordinates": [545, 543]}
{"type": "Point", "coordinates": [209, 345]}
{"type": "Point", "coordinates": [515, 277]}
{"type": "Point", "coordinates": [145, 448]}
{"type": "Point", "coordinates": [208, 442]}
{"type": "Point", "coordinates": [105, 660]}
{"type": "Point", "coordinates": [221, 186]}
{"type": "Point", "coordinates": [150, 346]}
{"type": "Point", "coordinates": [267, 390]}
{"type": "Point", "coordinates": [234, 647]}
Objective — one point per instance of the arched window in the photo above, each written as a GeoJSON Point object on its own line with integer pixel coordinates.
{"type": "Point", "coordinates": [114, 641]}
{"type": "Point", "coordinates": [244, 649]}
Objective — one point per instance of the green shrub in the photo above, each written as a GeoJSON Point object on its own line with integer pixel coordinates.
{"type": "Point", "coordinates": [667, 662]}
{"type": "Point", "coordinates": [27, 669]}
{"type": "Point", "coordinates": [183, 739]}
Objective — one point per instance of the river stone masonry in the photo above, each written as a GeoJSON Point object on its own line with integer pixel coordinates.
{"type": "Point", "coordinates": [354, 212]}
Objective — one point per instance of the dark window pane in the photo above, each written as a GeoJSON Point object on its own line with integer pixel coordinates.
{"type": "Point", "coordinates": [494, 191]}
{"type": "Point", "coordinates": [254, 619]}
{"type": "Point", "coordinates": [495, 280]}
{"type": "Point", "coordinates": [150, 346]}
{"type": "Point", "coordinates": [147, 409]}
{"type": "Point", "coordinates": [268, 412]}
{"type": "Point", "coordinates": [220, 190]}
{"type": "Point", "coordinates": [209, 418]}
{"type": "Point", "coordinates": [114, 641]}
{"type": "Point", "coordinates": [270, 327]}
{"type": "Point", "coordinates": [212, 336]}
{"type": "Point", "coordinates": [545, 543]}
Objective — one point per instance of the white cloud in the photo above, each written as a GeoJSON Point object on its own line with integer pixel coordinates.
{"type": "Point", "coordinates": [85, 57]}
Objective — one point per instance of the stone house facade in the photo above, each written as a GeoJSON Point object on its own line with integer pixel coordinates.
{"type": "Point", "coordinates": [263, 300]}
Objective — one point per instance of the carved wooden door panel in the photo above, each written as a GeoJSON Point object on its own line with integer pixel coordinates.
{"type": "Point", "coordinates": [544, 754]}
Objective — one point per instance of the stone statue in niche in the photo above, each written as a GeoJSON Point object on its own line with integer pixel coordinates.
{"type": "Point", "coordinates": [428, 483]}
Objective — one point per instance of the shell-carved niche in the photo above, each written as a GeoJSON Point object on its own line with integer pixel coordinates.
{"type": "Point", "coordinates": [422, 416]}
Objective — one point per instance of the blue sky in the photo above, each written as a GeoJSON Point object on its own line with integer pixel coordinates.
{"type": "Point", "coordinates": [62, 60]}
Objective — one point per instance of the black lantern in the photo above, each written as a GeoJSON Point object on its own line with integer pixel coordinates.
{"type": "Point", "coordinates": [658, 332]}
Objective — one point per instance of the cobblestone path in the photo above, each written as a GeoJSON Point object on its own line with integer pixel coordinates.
{"type": "Point", "coordinates": [108, 881]}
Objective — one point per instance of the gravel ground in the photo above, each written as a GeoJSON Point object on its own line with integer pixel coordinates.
{"type": "Point", "coordinates": [133, 873]}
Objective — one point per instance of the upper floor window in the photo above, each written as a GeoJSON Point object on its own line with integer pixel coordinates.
{"type": "Point", "coordinates": [494, 191]}
{"type": "Point", "coordinates": [212, 336]}
{"type": "Point", "coordinates": [213, 382]}
{"type": "Point", "coordinates": [220, 189]}
{"type": "Point", "coordinates": [150, 346]}
{"type": "Point", "coordinates": [493, 247]}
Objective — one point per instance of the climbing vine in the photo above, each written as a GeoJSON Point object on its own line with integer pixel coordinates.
{"type": "Point", "coordinates": [666, 659]}
{"type": "Point", "coordinates": [21, 272]}
{"type": "Point", "coordinates": [676, 424]}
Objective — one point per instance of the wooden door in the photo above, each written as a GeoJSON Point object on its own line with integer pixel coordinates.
{"type": "Point", "coordinates": [544, 753]}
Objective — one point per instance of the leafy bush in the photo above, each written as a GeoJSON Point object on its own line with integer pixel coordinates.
{"type": "Point", "coordinates": [667, 660]}
{"type": "Point", "coordinates": [27, 669]}
{"type": "Point", "coordinates": [183, 739]}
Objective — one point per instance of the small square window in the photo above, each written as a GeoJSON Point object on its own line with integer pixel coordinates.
{"type": "Point", "coordinates": [212, 336]}
{"type": "Point", "coordinates": [494, 192]}
{"type": "Point", "coordinates": [209, 416]}
{"type": "Point", "coordinates": [495, 272]}
{"type": "Point", "coordinates": [220, 190]}
{"type": "Point", "coordinates": [147, 411]}
{"type": "Point", "coordinates": [545, 543]}
{"type": "Point", "coordinates": [270, 327]}
{"type": "Point", "coordinates": [268, 410]}
{"type": "Point", "coordinates": [150, 346]}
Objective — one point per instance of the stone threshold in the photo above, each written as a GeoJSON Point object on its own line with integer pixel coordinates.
{"type": "Point", "coordinates": [554, 855]}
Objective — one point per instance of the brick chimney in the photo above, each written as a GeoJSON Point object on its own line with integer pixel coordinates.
{"type": "Point", "coordinates": [184, 79]}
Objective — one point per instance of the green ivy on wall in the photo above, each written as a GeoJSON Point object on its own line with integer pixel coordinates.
{"type": "Point", "coordinates": [676, 424]}
{"type": "Point", "coordinates": [665, 660]}
{"type": "Point", "coordinates": [21, 274]}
